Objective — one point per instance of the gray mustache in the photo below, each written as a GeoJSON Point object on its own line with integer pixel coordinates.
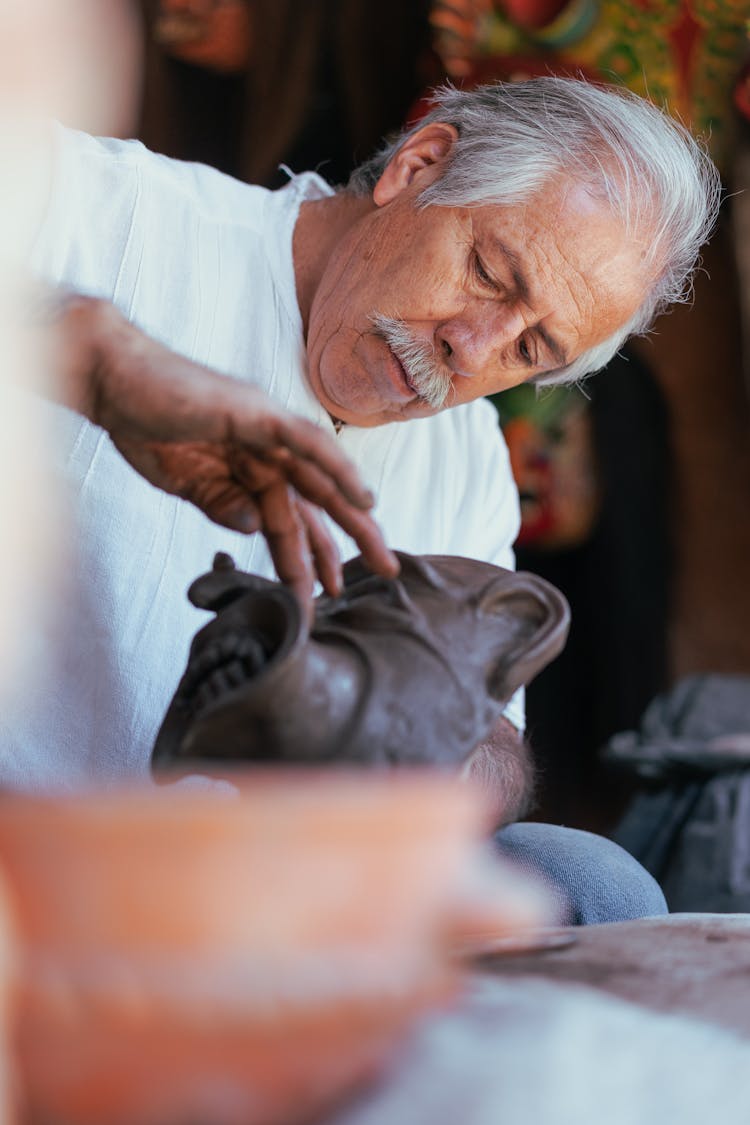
{"type": "Point", "coordinates": [417, 357]}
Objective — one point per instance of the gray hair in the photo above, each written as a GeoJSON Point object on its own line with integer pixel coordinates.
{"type": "Point", "coordinates": [514, 138]}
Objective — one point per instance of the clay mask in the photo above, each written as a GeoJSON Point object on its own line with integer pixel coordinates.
{"type": "Point", "coordinates": [412, 670]}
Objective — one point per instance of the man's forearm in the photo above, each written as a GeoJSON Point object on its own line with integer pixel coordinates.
{"type": "Point", "coordinates": [219, 442]}
{"type": "Point", "coordinates": [76, 327]}
{"type": "Point", "coordinates": [503, 767]}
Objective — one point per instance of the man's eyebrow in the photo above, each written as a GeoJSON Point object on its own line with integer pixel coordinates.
{"type": "Point", "coordinates": [555, 349]}
{"type": "Point", "coordinates": [519, 280]}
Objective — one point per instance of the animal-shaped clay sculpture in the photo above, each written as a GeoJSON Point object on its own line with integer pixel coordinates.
{"type": "Point", "coordinates": [412, 670]}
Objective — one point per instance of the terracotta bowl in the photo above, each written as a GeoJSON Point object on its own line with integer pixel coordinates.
{"type": "Point", "coordinates": [8, 969]}
{"type": "Point", "coordinates": [234, 958]}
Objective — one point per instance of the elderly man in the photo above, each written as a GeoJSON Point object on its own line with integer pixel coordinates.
{"type": "Point", "coordinates": [518, 233]}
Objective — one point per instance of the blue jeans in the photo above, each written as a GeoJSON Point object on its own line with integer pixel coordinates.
{"type": "Point", "coordinates": [591, 879]}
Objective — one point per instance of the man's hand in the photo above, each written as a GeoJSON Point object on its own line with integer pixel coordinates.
{"type": "Point", "coordinates": [503, 767]}
{"type": "Point", "coordinates": [218, 442]}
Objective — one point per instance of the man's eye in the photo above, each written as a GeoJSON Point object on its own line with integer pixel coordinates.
{"type": "Point", "coordinates": [525, 353]}
{"type": "Point", "coordinates": [481, 274]}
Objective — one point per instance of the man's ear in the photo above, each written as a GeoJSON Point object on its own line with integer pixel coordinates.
{"type": "Point", "coordinates": [419, 157]}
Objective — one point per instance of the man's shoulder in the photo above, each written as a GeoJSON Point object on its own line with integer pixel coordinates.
{"type": "Point", "coordinates": [129, 225]}
{"type": "Point", "coordinates": [215, 195]}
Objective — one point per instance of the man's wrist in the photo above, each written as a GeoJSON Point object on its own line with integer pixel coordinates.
{"type": "Point", "coordinates": [80, 327]}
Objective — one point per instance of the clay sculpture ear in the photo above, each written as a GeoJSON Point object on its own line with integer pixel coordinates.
{"type": "Point", "coordinates": [224, 584]}
{"type": "Point", "coordinates": [535, 620]}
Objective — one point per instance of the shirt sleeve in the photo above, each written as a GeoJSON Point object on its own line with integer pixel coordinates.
{"type": "Point", "coordinates": [87, 226]}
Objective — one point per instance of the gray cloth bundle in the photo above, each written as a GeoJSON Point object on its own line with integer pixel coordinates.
{"type": "Point", "coordinates": [689, 823]}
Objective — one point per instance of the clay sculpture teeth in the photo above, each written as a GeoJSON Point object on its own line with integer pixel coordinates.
{"type": "Point", "coordinates": [224, 665]}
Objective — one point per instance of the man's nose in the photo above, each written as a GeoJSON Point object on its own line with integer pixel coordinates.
{"type": "Point", "coordinates": [476, 340]}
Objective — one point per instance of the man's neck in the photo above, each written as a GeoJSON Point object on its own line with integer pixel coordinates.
{"type": "Point", "coordinates": [320, 226]}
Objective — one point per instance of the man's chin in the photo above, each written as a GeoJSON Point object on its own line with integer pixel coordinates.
{"type": "Point", "coordinates": [411, 411]}
{"type": "Point", "coordinates": [379, 414]}
{"type": "Point", "coordinates": [420, 408]}
{"type": "Point", "coordinates": [376, 410]}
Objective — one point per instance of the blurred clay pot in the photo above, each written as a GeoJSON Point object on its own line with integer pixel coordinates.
{"type": "Point", "coordinates": [231, 957]}
{"type": "Point", "coordinates": [8, 960]}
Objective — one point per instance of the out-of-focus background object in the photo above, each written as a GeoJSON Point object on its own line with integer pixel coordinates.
{"type": "Point", "coordinates": [682, 54]}
{"type": "Point", "coordinates": [688, 822]}
{"type": "Point", "coordinates": [47, 67]}
{"type": "Point", "coordinates": [636, 961]}
{"type": "Point", "coordinates": [248, 84]}
{"type": "Point", "coordinates": [536, 1047]}
{"type": "Point", "coordinates": [8, 963]}
{"type": "Point", "coordinates": [213, 33]}
{"type": "Point", "coordinates": [240, 958]}
{"type": "Point", "coordinates": [79, 60]}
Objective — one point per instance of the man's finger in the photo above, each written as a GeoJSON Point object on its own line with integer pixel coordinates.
{"type": "Point", "coordinates": [287, 540]}
{"type": "Point", "coordinates": [326, 558]}
{"type": "Point", "coordinates": [366, 534]}
{"type": "Point", "coordinates": [312, 444]}
{"type": "Point", "coordinates": [317, 486]}
{"type": "Point", "coordinates": [225, 502]}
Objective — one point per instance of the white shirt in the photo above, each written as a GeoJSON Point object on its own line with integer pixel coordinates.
{"type": "Point", "coordinates": [204, 264]}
